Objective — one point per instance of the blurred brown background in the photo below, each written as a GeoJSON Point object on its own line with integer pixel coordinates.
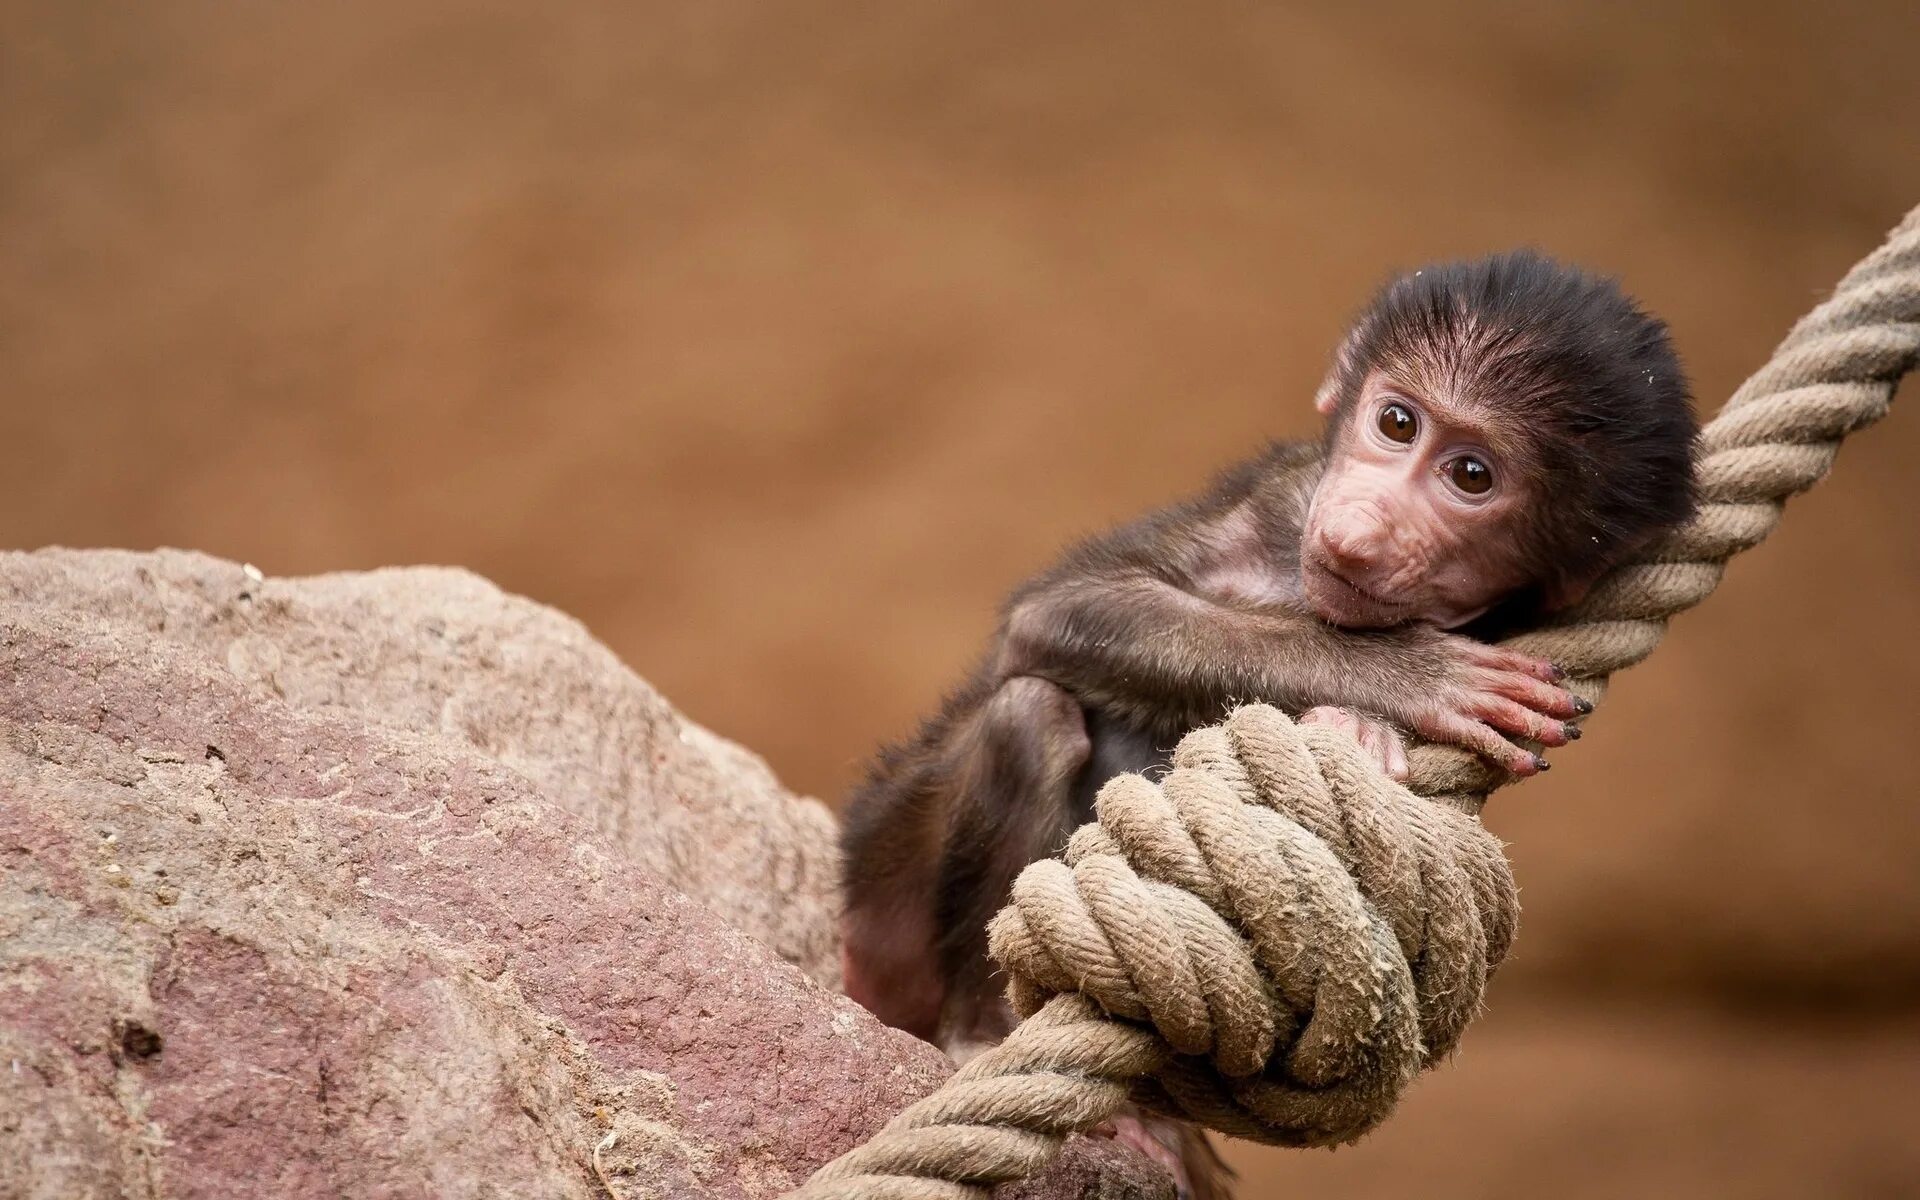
{"type": "Point", "coordinates": [777, 341]}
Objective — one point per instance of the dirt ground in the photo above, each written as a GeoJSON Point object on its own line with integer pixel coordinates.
{"type": "Point", "coordinates": [776, 342]}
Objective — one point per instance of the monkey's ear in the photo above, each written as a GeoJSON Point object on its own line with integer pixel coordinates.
{"type": "Point", "coordinates": [1346, 361]}
{"type": "Point", "coordinates": [1328, 397]}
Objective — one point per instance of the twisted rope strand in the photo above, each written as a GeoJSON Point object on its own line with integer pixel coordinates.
{"type": "Point", "coordinates": [1834, 374]}
{"type": "Point", "coordinates": [1275, 938]}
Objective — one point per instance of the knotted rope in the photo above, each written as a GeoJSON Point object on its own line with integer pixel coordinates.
{"type": "Point", "coordinates": [1275, 938]}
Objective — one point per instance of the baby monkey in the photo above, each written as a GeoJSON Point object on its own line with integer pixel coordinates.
{"type": "Point", "coordinates": [1499, 433]}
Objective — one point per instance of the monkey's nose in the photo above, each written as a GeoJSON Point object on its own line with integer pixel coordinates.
{"type": "Point", "coordinates": [1350, 549]}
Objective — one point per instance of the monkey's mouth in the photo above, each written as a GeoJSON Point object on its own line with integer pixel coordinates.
{"type": "Point", "coordinates": [1342, 601]}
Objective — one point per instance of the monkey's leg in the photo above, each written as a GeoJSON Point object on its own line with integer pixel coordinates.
{"type": "Point", "coordinates": [1013, 803]}
{"type": "Point", "coordinates": [1029, 764]}
{"type": "Point", "coordinates": [890, 843]}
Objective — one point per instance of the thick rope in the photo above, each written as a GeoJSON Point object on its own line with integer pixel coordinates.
{"type": "Point", "coordinates": [1834, 374]}
{"type": "Point", "coordinates": [1275, 938]}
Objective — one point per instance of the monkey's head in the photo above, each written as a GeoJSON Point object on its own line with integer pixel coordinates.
{"type": "Point", "coordinates": [1502, 426]}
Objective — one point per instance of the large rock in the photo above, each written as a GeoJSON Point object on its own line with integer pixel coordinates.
{"type": "Point", "coordinates": [340, 887]}
{"type": "Point", "coordinates": [439, 651]}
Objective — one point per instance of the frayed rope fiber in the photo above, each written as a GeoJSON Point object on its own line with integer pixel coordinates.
{"type": "Point", "coordinates": [1273, 939]}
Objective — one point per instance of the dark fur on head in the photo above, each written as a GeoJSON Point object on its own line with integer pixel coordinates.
{"type": "Point", "coordinates": [1585, 377]}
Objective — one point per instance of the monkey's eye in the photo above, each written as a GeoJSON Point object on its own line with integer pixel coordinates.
{"type": "Point", "coordinates": [1398, 423]}
{"type": "Point", "coordinates": [1470, 475]}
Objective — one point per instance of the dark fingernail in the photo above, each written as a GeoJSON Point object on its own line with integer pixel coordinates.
{"type": "Point", "coordinates": [1559, 672]}
{"type": "Point", "coordinates": [1582, 705]}
{"type": "Point", "coordinates": [1572, 732]}
{"type": "Point", "coordinates": [1541, 764]}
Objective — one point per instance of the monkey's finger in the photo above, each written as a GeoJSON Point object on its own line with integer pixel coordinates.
{"type": "Point", "coordinates": [1538, 696]}
{"type": "Point", "coordinates": [1484, 741]}
{"type": "Point", "coordinates": [1396, 755]}
{"type": "Point", "coordinates": [1372, 741]}
{"type": "Point", "coordinates": [1518, 719]}
{"type": "Point", "coordinates": [1502, 659]}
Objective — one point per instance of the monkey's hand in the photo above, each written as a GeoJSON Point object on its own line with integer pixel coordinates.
{"type": "Point", "coordinates": [1385, 744]}
{"type": "Point", "coordinates": [1487, 695]}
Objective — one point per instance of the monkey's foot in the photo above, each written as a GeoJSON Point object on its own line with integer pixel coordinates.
{"type": "Point", "coordinates": [1382, 742]}
{"type": "Point", "coordinates": [1159, 1140]}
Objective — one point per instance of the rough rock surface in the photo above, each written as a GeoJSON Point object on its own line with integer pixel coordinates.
{"type": "Point", "coordinates": [338, 887]}
{"type": "Point", "coordinates": [442, 651]}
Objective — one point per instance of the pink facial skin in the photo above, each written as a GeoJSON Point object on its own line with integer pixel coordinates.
{"type": "Point", "coordinates": [1396, 531]}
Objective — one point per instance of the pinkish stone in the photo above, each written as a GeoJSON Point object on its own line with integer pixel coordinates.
{"type": "Point", "coordinates": [392, 885]}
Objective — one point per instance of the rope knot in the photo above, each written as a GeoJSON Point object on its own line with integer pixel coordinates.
{"type": "Point", "coordinates": [1303, 933]}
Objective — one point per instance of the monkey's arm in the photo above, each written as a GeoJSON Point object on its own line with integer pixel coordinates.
{"type": "Point", "coordinates": [1141, 644]}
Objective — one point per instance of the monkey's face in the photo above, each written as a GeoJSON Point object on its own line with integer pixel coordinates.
{"type": "Point", "coordinates": [1417, 516]}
